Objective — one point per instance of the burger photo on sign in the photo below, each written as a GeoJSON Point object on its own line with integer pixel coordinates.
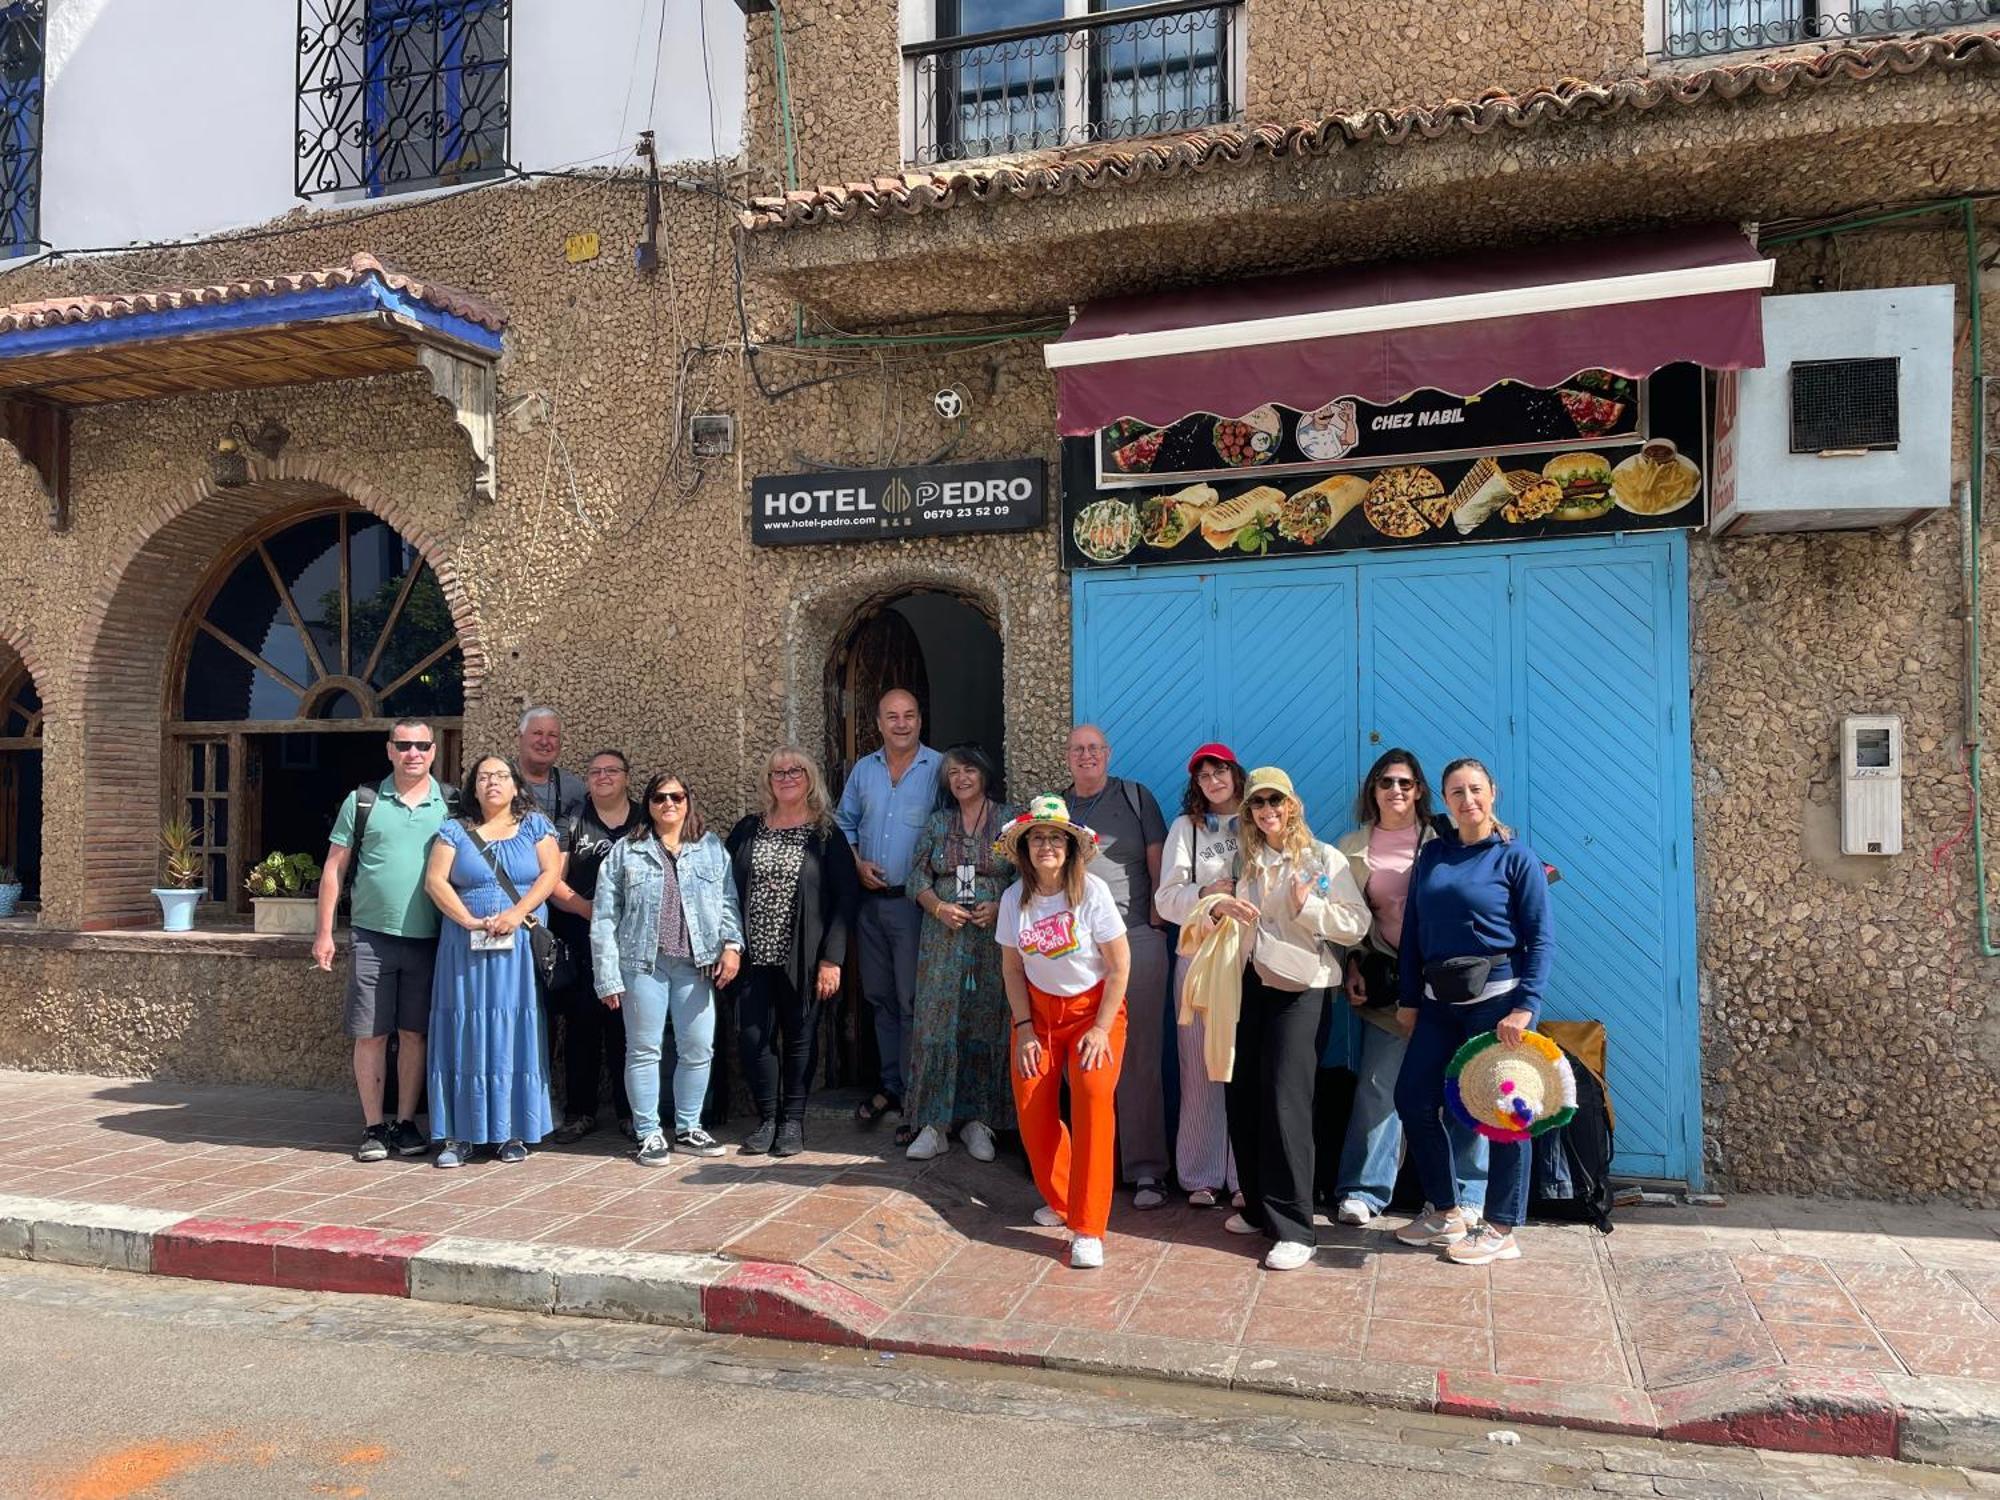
{"type": "Point", "coordinates": [1585, 479]}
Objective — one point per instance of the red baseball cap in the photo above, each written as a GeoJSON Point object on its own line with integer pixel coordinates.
{"type": "Point", "coordinates": [1215, 750]}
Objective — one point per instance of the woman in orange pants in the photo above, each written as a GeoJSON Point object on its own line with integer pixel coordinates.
{"type": "Point", "coordinates": [1065, 965]}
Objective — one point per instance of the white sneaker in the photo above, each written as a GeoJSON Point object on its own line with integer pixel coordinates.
{"type": "Point", "coordinates": [1354, 1211]}
{"type": "Point", "coordinates": [1237, 1224]}
{"type": "Point", "coordinates": [1086, 1252]}
{"type": "Point", "coordinates": [978, 1141]}
{"type": "Point", "coordinates": [1288, 1255]}
{"type": "Point", "coordinates": [1048, 1218]}
{"type": "Point", "coordinates": [930, 1142]}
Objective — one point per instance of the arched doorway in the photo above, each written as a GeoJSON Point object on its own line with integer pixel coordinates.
{"type": "Point", "coordinates": [306, 644]}
{"type": "Point", "coordinates": [937, 645]}
{"type": "Point", "coordinates": [21, 778]}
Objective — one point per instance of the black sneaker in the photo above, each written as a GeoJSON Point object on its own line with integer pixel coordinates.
{"type": "Point", "coordinates": [406, 1140]}
{"type": "Point", "coordinates": [791, 1139]}
{"type": "Point", "coordinates": [697, 1142]}
{"type": "Point", "coordinates": [758, 1142]}
{"type": "Point", "coordinates": [654, 1151]}
{"type": "Point", "coordinates": [374, 1144]}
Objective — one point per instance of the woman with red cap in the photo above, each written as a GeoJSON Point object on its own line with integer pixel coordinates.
{"type": "Point", "coordinates": [1201, 859]}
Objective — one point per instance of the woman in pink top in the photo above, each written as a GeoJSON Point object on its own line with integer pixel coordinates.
{"type": "Point", "coordinates": [1393, 811]}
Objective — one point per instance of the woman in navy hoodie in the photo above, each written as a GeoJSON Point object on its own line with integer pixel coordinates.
{"type": "Point", "coordinates": [1474, 958]}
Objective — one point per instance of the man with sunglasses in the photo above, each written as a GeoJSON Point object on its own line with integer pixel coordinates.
{"type": "Point", "coordinates": [384, 833]}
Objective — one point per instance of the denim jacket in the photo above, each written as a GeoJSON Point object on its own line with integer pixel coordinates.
{"type": "Point", "coordinates": [625, 914]}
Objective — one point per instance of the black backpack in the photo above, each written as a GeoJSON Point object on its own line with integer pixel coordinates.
{"type": "Point", "coordinates": [1572, 1169]}
{"type": "Point", "coordinates": [366, 795]}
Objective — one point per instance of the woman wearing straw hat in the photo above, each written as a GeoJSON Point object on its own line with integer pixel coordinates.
{"type": "Point", "coordinates": [1474, 958]}
{"type": "Point", "coordinates": [1201, 859]}
{"type": "Point", "coordinates": [1064, 965]}
{"type": "Point", "coordinates": [1300, 897]}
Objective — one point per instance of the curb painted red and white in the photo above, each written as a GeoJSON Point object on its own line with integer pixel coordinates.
{"type": "Point", "coordinates": [1863, 1416]}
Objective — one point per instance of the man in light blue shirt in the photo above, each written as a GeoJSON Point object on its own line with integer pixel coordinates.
{"type": "Point", "coordinates": [888, 797]}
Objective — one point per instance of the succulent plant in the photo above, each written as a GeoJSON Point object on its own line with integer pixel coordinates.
{"type": "Point", "coordinates": [283, 875]}
{"type": "Point", "coordinates": [183, 866]}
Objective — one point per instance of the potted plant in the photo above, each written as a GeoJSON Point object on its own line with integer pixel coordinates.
{"type": "Point", "coordinates": [183, 889]}
{"type": "Point", "coordinates": [284, 890]}
{"type": "Point", "coordinates": [10, 890]}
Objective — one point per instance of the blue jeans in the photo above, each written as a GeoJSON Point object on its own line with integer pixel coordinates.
{"type": "Point", "coordinates": [675, 990]}
{"type": "Point", "coordinates": [889, 927]}
{"type": "Point", "coordinates": [1373, 1149]}
{"type": "Point", "coordinates": [1441, 1031]}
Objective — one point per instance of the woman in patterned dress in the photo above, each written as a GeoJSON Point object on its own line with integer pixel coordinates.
{"type": "Point", "coordinates": [958, 1055]}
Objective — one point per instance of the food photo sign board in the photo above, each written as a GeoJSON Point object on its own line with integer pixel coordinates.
{"type": "Point", "coordinates": [1601, 453]}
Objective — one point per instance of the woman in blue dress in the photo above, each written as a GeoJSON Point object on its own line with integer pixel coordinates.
{"type": "Point", "coordinates": [489, 1044]}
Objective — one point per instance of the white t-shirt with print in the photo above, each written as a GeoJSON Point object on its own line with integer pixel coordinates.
{"type": "Point", "coordinates": [1060, 948]}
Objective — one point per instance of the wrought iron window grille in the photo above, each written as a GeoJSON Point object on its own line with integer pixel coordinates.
{"type": "Point", "coordinates": [21, 83]}
{"type": "Point", "coordinates": [395, 95]}
{"type": "Point", "coordinates": [1706, 28]}
{"type": "Point", "coordinates": [1111, 75]}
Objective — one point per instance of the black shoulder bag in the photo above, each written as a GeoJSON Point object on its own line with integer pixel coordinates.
{"type": "Point", "coordinates": [548, 951]}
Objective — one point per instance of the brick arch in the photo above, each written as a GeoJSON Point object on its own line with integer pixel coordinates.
{"type": "Point", "coordinates": [128, 630]}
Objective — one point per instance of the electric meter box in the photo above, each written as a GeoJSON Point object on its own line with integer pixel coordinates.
{"type": "Point", "coordinates": [1871, 784]}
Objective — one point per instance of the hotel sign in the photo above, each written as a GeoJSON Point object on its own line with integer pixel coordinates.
{"type": "Point", "coordinates": [878, 505]}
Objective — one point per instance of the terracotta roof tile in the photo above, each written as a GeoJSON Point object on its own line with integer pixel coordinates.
{"type": "Point", "coordinates": [1111, 164]}
{"type": "Point", "coordinates": [54, 312]}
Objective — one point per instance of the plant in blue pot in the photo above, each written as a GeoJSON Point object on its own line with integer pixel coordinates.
{"type": "Point", "coordinates": [183, 889]}
{"type": "Point", "coordinates": [10, 890]}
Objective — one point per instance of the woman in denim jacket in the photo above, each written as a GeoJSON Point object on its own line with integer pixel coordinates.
{"type": "Point", "coordinates": [664, 932]}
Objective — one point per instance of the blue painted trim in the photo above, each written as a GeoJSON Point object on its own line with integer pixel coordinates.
{"type": "Point", "coordinates": [279, 310]}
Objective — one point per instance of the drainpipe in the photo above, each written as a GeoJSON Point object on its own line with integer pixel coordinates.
{"type": "Point", "coordinates": [1971, 533]}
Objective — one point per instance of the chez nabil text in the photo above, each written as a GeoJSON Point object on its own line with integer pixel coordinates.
{"type": "Point", "coordinates": [861, 505]}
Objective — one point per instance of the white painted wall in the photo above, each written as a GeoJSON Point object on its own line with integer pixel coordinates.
{"type": "Point", "coordinates": [172, 118]}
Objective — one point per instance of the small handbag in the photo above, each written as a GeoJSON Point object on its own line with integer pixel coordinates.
{"type": "Point", "coordinates": [1457, 981]}
{"type": "Point", "coordinates": [549, 952]}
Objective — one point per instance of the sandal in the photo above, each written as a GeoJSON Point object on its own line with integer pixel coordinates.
{"type": "Point", "coordinates": [871, 1111]}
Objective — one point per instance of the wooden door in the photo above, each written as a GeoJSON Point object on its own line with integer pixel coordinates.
{"type": "Point", "coordinates": [882, 652]}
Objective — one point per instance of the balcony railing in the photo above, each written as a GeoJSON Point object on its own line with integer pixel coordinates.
{"type": "Point", "coordinates": [1142, 70]}
{"type": "Point", "coordinates": [401, 94]}
{"type": "Point", "coordinates": [1704, 28]}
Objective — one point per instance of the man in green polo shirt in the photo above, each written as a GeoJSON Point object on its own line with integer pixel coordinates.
{"type": "Point", "coordinates": [395, 929]}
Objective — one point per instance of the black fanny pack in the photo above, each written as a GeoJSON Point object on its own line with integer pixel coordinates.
{"type": "Point", "coordinates": [1457, 980]}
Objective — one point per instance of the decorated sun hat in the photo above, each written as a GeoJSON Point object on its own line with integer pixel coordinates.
{"type": "Point", "coordinates": [1511, 1093]}
{"type": "Point", "coordinates": [1213, 750]}
{"type": "Point", "coordinates": [1045, 811]}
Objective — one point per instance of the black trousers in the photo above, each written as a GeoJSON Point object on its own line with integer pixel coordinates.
{"type": "Point", "coordinates": [777, 1027]}
{"type": "Point", "coordinates": [593, 1034]}
{"type": "Point", "coordinates": [1269, 1102]}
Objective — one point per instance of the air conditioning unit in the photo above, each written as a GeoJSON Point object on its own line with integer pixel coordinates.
{"type": "Point", "coordinates": [1849, 422]}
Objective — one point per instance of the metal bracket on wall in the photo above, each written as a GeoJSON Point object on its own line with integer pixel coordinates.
{"type": "Point", "coordinates": [467, 387]}
{"type": "Point", "coordinates": [39, 437]}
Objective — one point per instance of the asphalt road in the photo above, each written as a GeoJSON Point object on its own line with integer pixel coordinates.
{"type": "Point", "coordinates": [116, 1387]}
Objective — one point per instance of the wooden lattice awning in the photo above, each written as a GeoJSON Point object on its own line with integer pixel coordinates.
{"type": "Point", "coordinates": [341, 323]}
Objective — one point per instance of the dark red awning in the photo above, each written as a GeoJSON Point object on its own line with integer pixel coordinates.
{"type": "Point", "coordinates": [1379, 332]}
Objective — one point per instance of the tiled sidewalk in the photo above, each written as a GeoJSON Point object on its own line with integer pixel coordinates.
{"type": "Point", "coordinates": [944, 1254]}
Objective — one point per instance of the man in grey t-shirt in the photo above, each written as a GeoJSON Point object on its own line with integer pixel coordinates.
{"type": "Point", "coordinates": [1131, 834]}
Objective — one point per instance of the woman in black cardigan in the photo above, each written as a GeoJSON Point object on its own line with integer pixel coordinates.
{"type": "Point", "coordinates": [798, 888]}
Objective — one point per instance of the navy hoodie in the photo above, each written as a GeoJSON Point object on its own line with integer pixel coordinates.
{"type": "Point", "coordinates": [1483, 900]}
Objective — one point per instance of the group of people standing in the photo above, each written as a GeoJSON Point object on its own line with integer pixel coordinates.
{"type": "Point", "coordinates": [1002, 951]}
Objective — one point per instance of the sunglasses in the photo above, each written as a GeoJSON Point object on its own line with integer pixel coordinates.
{"type": "Point", "coordinates": [404, 747]}
{"type": "Point", "coordinates": [676, 798]}
{"type": "Point", "coordinates": [1396, 783]}
{"type": "Point", "coordinates": [1272, 799]}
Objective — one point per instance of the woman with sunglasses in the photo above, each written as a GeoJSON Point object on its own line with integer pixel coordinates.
{"type": "Point", "coordinates": [489, 871]}
{"type": "Point", "coordinates": [1201, 859]}
{"type": "Point", "coordinates": [1393, 814]}
{"type": "Point", "coordinates": [664, 932]}
{"type": "Point", "coordinates": [1299, 897]}
{"type": "Point", "coordinates": [798, 890]}
{"type": "Point", "coordinates": [1475, 956]}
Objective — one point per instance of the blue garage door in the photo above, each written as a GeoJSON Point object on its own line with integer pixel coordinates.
{"type": "Point", "coordinates": [1563, 666]}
